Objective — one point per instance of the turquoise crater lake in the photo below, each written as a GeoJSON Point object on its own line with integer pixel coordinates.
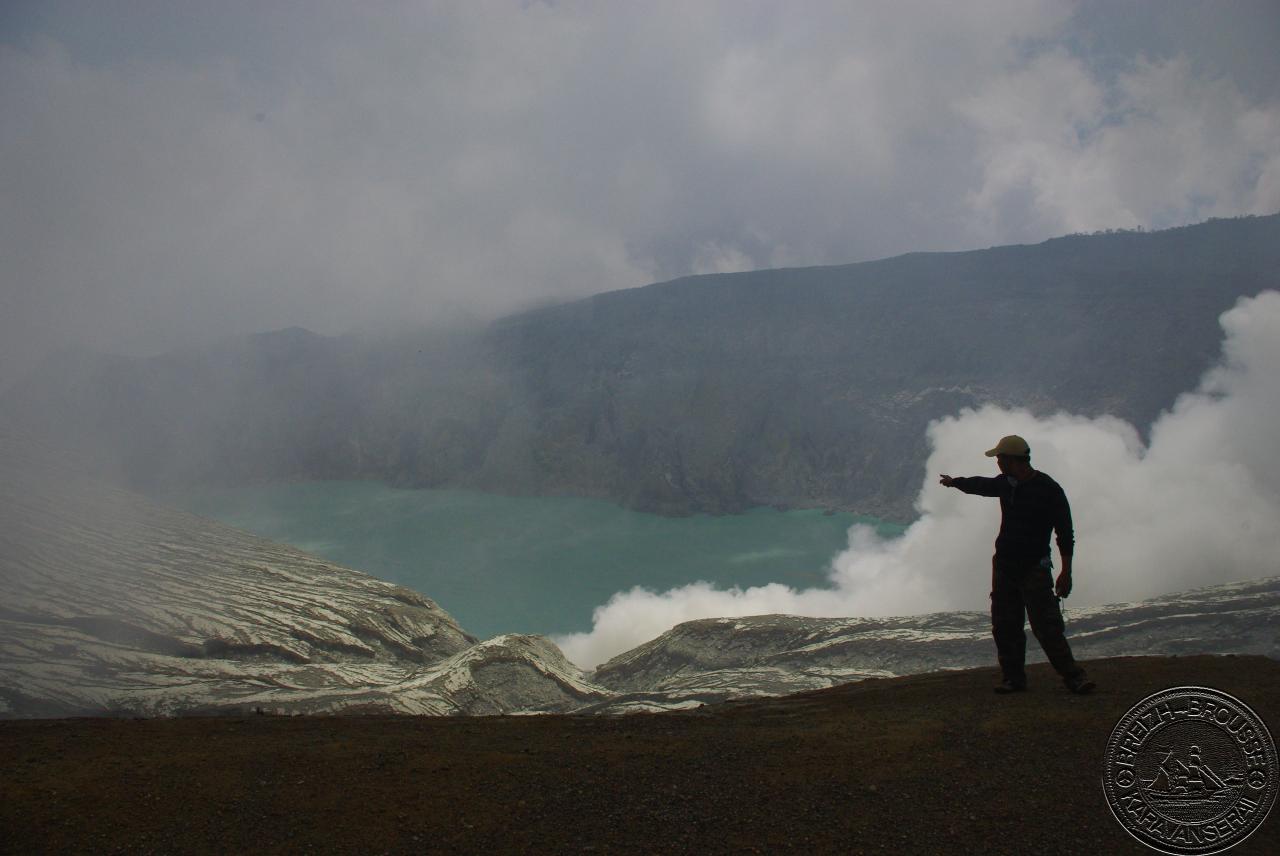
{"type": "Point", "coordinates": [529, 564]}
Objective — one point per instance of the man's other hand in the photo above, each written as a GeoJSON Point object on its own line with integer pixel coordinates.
{"type": "Point", "coordinates": [947, 481]}
{"type": "Point", "coordinates": [1063, 587]}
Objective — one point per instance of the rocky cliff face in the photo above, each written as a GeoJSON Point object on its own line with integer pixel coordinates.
{"type": "Point", "coordinates": [799, 388]}
{"type": "Point", "coordinates": [111, 605]}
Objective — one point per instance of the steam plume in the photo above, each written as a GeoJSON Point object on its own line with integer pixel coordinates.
{"type": "Point", "coordinates": [1198, 505]}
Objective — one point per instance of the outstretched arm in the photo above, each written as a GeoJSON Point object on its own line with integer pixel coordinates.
{"type": "Point", "coordinates": [979, 485]}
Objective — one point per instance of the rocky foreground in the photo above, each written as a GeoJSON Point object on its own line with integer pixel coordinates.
{"type": "Point", "coordinates": [113, 606]}
{"type": "Point", "coordinates": [924, 764]}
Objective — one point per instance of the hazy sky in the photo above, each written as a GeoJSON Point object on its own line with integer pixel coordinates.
{"type": "Point", "coordinates": [173, 172]}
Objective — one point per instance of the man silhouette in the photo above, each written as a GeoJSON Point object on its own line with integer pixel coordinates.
{"type": "Point", "coordinates": [1032, 505]}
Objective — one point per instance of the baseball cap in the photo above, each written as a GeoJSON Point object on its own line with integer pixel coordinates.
{"type": "Point", "coordinates": [1011, 445]}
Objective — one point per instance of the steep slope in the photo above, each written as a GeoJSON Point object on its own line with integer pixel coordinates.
{"type": "Point", "coordinates": [111, 604]}
{"type": "Point", "coordinates": [814, 386]}
{"type": "Point", "coordinates": [800, 388]}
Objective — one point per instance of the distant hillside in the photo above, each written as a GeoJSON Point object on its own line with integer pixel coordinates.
{"type": "Point", "coordinates": [800, 387]}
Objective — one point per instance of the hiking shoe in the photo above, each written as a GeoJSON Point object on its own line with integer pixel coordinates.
{"type": "Point", "coordinates": [1079, 684]}
{"type": "Point", "coordinates": [1007, 686]}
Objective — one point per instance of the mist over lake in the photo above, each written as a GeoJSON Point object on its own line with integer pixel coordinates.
{"type": "Point", "coordinates": [529, 564]}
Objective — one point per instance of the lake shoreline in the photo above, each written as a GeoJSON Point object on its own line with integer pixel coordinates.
{"type": "Point", "coordinates": [504, 564]}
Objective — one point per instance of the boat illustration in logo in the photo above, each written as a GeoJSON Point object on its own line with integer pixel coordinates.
{"type": "Point", "coordinates": [1190, 784]}
{"type": "Point", "coordinates": [1190, 770]}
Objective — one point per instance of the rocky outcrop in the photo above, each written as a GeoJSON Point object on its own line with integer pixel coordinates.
{"type": "Point", "coordinates": [719, 658]}
{"type": "Point", "coordinates": [110, 604]}
{"type": "Point", "coordinates": [506, 674]}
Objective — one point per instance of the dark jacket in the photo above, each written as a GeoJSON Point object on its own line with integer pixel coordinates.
{"type": "Point", "coordinates": [1028, 512]}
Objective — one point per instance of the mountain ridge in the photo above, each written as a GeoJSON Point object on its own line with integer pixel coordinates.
{"type": "Point", "coordinates": [797, 387]}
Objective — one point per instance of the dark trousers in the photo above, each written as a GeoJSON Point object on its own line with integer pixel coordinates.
{"type": "Point", "coordinates": [1019, 592]}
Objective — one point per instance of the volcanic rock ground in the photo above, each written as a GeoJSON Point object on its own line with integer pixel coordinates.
{"type": "Point", "coordinates": [931, 763]}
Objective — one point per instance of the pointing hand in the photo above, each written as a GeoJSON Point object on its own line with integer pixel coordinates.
{"type": "Point", "coordinates": [947, 481]}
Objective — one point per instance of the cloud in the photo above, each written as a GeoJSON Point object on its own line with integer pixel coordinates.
{"type": "Point", "coordinates": [1195, 506]}
{"type": "Point", "coordinates": [718, 258]}
{"type": "Point", "coordinates": [1066, 152]}
{"type": "Point", "coordinates": [183, 171]}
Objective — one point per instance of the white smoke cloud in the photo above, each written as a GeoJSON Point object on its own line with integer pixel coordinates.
{"type": "Point", "coordinates": [1198, 505]}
